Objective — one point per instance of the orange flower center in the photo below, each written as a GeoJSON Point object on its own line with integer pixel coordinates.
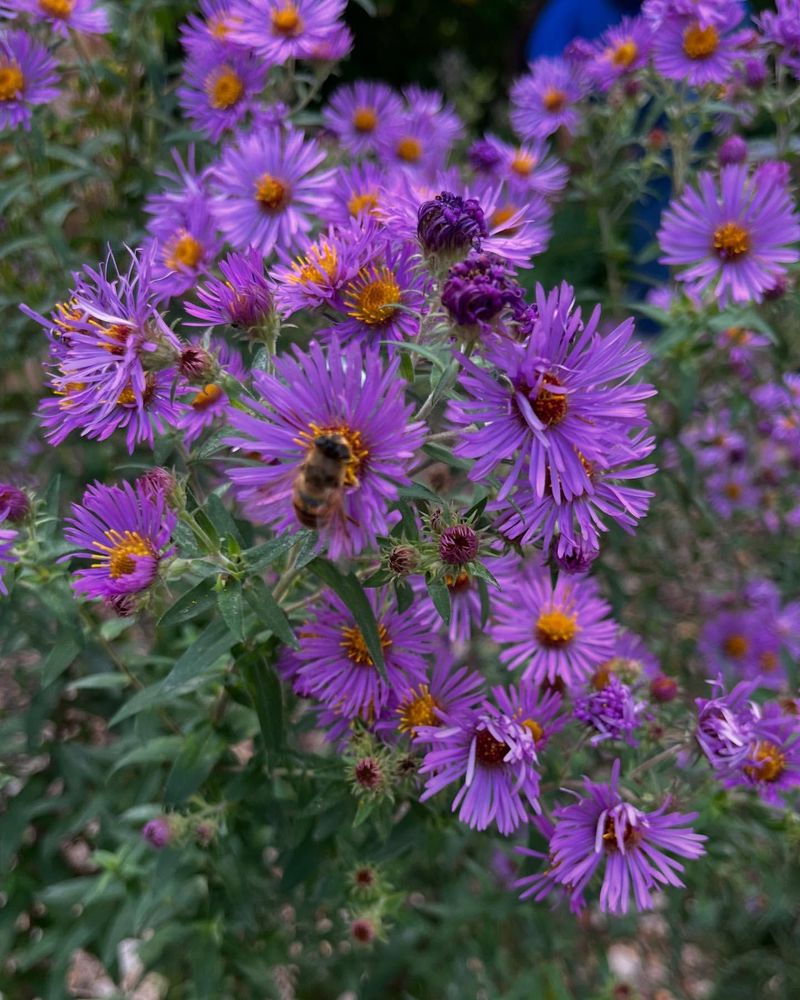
{"type": "Point", "coordinates": [489, 751]}
{"type": "Point", "coordinates": [501, 215]}
{"type": "Point", "coordinates": [273, 195]}
{"type": "Point", "coordinates": [523, 163]}
{"type": "Point", "coordinates": [57, 8]}
{"type": "Point", "coordinates": [208, 395]}
{"type": "Point", "coordinates": [119, 555]}
{"type": "Point", "coordinates": [554, 100]}
{"type": "Point", "coordinates": [630, 836]}
{"type": "Point", "coordinates": [12, 81]}
{"type": "Point", "coordinates": [699, 42]}
{"type": "Point", "coordinates": [731, 240]}
{"type": "Point", "coordinates": [409, 149]}
{"type": "Point", "coordinates": [624, 53]}
{"type": "Point", "coordinates": [736, 646]}
{"type": "Point", "coordinates": [534, 728]}
{"type": "Point", "coordinates": [224, 88]}
{"type": "Point", "coordinates": [769, 762]}
{"type": "Point", "coordinates": [355, 647]}
{"type": "Point", "coordinates": [733, 491]}
{"type": "Point", "coordinates": [286, 20]}
{"type": "Point", "coordinates": [373, 299]}
{"type": "Point", "coordinates": [365, 119]}
{"type": "Point", "coordinates": [418, 711]}
{"type": "Point", "coordinates": [550, 407]}
{"type": "Point", "coordinates": [366, 202]}
{"type": "Point", "coordinates": [554, 629]}
{"type": "Point", "coordinates": [183, 251]}
{"type": "Point", "coordinates": [316, 267]}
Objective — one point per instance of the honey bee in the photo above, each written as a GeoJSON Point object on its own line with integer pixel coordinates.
{"type": "Point", "coordinates": [318, 485]}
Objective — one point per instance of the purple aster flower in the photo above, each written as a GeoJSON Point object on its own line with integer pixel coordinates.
{"type": "Point", "coordinates": [633, 848]}
{"type": "Point", "coordinates": [242, 298]}
{"type": "Point", "coordinates": [732, 490]}
{"type": "Point", "coordinates": [494, 755]}
{"type": "Point", "coordinates": [86, 16]}
{"type": "Point", "coordinates": [345, 392]}
{"type": "Point", "coordinates": [184, 246]}
{"type": "Point", "coordinates": [484, 156]}
{"type": "Point", "coordinates": [620, 51]}
{"type": "Point", "coordinates": [529, 167]}
{"type": "Point", "coordinates": [358, 114]}
{"type": "Point", "coordinates": [733, 150]}
{"type": "Point", "coordinates": [157, 832]}
{"type": "Point", "coordinates": [266, 189]}
{"type": "Point", "coordinates": [334, 665]}
{"type": "Point", "coordinates": [744, 643]}
{"type": "Point", "coordinates": [613, 712]}
{"type": "Point", "coordinates": [518, 222]}
{"type": "Point", "coordinates": [706, 11]}
{"type": "Point", "coordinates": [448, 693]}
{"type": "Point", "coordinates": [573, 526]}
{"type": "Point", "coordinates": [736, 237]}
{"type": "Point", "coordinates": [545, 99]}
{"type": "Point", "coordinates": [632, 662]}
{"type": "Point", "coordinates": [742, 348]}
{"type": "Point", "coordinates": [7, 557]}
{"type": "Point", "coordinates": [565, 399]}
{"type": "Point", "coordinates": [332, 47]}
{"type": "Point", "coordinates": [725, 724]}
{"type": "Point", "coordinates": [538, 710]}
{"type": "Point", "coordinates": [356, 192]}
{"type": "Point", "coordinates": [409, 146]}
{"type": "Point", "coordinates": [211, 29]}
{"type": "Point", "coordinates": [28, 76]}
{"type": "Point", "coordinates": [158, 482]}
{"type": "Point", "coordinates": [771, 763]}
{"type": "Point", "coordinates": [220, 89]}
{"type": "Point", "coordinates": [15, 504]}
{"type": "Point", "coordinates": [555, 632]}
{"type": "Point", "coordinates": [126, 533]}
{"type": "Point", "coordinates": [202, 407]}
{"type": "Point", "coordinates": [280, 30]}
{"type": "Point", "coordinates": [479, 290]}
{"type": "Point", "coordinates": [449, 223]}
{"type": "Point", "coordinates": [781, 27]}
{"type": "Point", "coordinates": [466, 609]}
{"type": "Point", "coordinates": [687, 48]}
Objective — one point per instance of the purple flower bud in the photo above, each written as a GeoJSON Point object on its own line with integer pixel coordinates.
{"type": "Point", "coordinates": [458, 545]}
{"type": "Point", "coordinates": [778, 289]}
{"type": "Point", "coordinates": [14, 503]}
{"type": "Point", "coordinates": [483, 156]}
{"type": "Point", "coordinates": [733, 150]}
{"type": "Point", "coordinates": [369, 774]}
{"type": "Point", "coordinates": [157, 482]}
{"type": "Point", "coordinates": [123, 605]}
{"type": "Point", "coordinates": [449, 222]}
{"type": "Point", "coordinates": [157, 832]}
{"type": "Point", "coordinates": [663, 688]}
{"type": "Point", "coordinates": [755, 73]}
{"type": "Point", "coordinates": [573, 559]}
{"type": "Point", "coordinates": [479, 288]}
{"type": "Point", "coordinates": [195, 363]}
{"type": "Point", "coordinates": [402, 560]}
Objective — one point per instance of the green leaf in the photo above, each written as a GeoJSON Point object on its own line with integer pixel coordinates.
{"type": "Point", "coordinates": [440, 595]}
{"type": "Point", "coordinates": [268, 612]}
{"type": "Point", "coordinates": [349, 589]}
{"type": "Point", "coordinates": [194, 763]}
{"type": "Point", "coordinates": [231, 607]}
{"type": "Point", "coordinates": [200, 598]}
{"type": "Point", "coordinates": [156, 751]}
{"type": "Point", "coordinates": [266, 692]}
{"type": "Point", "coordinates": [404, 595]}
{"type": "Point", "coordinates": [261, 556]}
{"type": "Point", "coordinates": [58, 659]}
{"type": "Point", "coordinates": [189, 672]}
{"type": "Point", "coordinates": [221, 518]}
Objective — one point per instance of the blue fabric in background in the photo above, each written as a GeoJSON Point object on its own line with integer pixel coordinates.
{"type": "Point", "coordinates": [563, 20]}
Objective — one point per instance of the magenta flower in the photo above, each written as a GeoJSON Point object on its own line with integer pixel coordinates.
{"type": "Point", "coordinates": [266, 189]}
{"type": "Point", "coordinates": [346, 392]}
{"type": "Point", "coordinates": [744, 644]}
{"type": "Point", "coordinates": [633, 849]}
{"type": "Point", "coordinates": [7, 557]}
{"type": "Point", "coordinates": [334, 665]}
{"type": "Point", "coordinates": [735, 238]}
{"type": "Point", "coordinates": [359, 114]}
{"type": "Point", "coordinates": [558, 632]}
{"type": "Point", "coordinates": [220, 89]}
{"type": "Point", "coordinates": [686, 47]}
{"type": "Point", "coordinates": [280, 30]}
{"type": "Point", "coordinates": [242, 298]}
{"type": "Point", "coordinates": [126, 533]}
{"type": "Point", "coordinates": [494, 755]}
{"type": "Point", "coordinates": [565, 399]}
{"type": "Point", "coordinates": [545, 99]}
{"type": "Point", "coordinates": [28, 77]}
{"type": "Point", "coordinates": [86, 16]}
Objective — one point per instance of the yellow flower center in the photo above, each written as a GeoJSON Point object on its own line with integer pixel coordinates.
{"type": "Point", "coordinates": [219, 28]}
{"type": "Point", "coordinates": [523, 163]}
{"type": "Point", "coordinates": [501, 215]}
{"type": "Point", "coordinates": [731, 240]}
{"type": "Point", "coordinates": [183, 251]}
{"type": "Point", "coordinates": [535, 729]}
{"type": "Point", "coordinates": [287, 21]}
{"type": "Point", "coordinates": [208, 395]}
{"type": "Point", "coordinates": [365, 119]}
{"type": "Point", "coordinates": [366, 202]}
{"type": "Point", "coordinates": [57, 8]}
{"type": "Point", "coordinates": [699, 42]}
{"type": "Point", "coordinates": [12, 81]}
{"type": "Point", "coordinates": [624, 53]}
{"type": "Point", "coordinates": [69, 390]}
{"type": "Point", "coordinates": [736, 646]}
{"type": "Point", "coordinates": [359, 453]}
{"type": "Point", "coordinates": [128, 397]}
{"type": "Point", "coordinates": [273, 195]}
{"type": "Point", "coordinates": [738, 335]}
{"type": "Point", "coordinates": [554, 100]}
{"type": "Point", "coordinates": [373, 299]}
{"type": "Point", "coordinates": [119, 555]}
{"type": "Point", "coordinates": [768, 661]}
{"type": "Point", "coordinates": [733, 491]}
{"type": "Point", "coordinates": [409, 149]}
{"type": "Point", "coordinates": [418, 711]}
{"type": "Point", "coordinates": [355, 647]}
{"type": "Point", "coordinates": [769, 762]}
{"type": "Point", "coordinates": [550, 407]}
{"type": "Point", "coordinates": [555, 630]}
{"type": "Point", "coordinates": [224, 88]}
{"type": "Point", "coordinates": [117, 335]}
{"type": "Point", "coordinates": [316, 266]}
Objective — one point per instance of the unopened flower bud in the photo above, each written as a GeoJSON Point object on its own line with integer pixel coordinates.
{"type": "Point", "coordinates": [123, 605]}
{"type": "Point", "coordinates": [663, 688]}
{"type": "Point", "coordinates": [196, 364]}
{"type": "Point", "coordinates": [458, 545]}
{"type": "Point", "coordinates": [733, 150]}
{"type": "Point", "coordinates": [157, 832]}
{"type": "Point", "coordinates": [157, 482]}
{"type": "Point", "coordinates": [362, 930]}
{"type": "Point", "coordinates": [369, 774]}
{"type": "Point", "coordinates": [451, 224]}
{"type": "Point", "coordinates": [403, 560]}
{"type": "Point", "coordinates": [14, 503]}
